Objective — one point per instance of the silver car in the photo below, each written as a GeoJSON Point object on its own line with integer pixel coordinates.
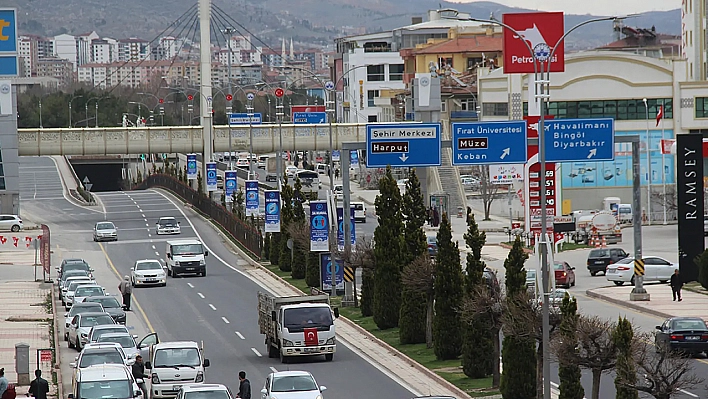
{"type": "Point", "coordinates": [69, 293]}
{"type": "Point", "coordinates": [84, 291]}
{"type": "Point", "coordinates": [148, 272]}
{"type": "Point", "coordinates": [126, 341]}
{"type": "Point", "coordinates": [64, 287]}
{"type": "Point", "coordinates": [105, 231]}
{"type": "Point", "coordinates": [82, 324]}
{"type": "Point", "coordinates": [77, 309]}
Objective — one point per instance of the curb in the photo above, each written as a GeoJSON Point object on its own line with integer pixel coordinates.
{"type": "Point", "coordinates": [630, 305]}
{"type": "Point", "coordinates": [57, 344]}
{"type": "Point", "coordinates": [528, 251]}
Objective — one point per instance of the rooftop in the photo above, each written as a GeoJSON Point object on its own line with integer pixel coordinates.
{"type": "Point", "coordinates": [465, 44]}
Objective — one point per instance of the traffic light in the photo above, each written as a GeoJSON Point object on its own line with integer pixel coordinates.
{"type": "Point", "coordinates": [229, 97]}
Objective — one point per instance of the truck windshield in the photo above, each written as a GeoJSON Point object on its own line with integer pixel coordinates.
{"type": "Point", "coordinates": [308, 317]}
{"type": "Point", "coordinates": [187, 249]}
{"type": "Point", "coordinates": [177, 357]}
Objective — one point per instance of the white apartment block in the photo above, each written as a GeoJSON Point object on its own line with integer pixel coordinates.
{"type": "Point", "coordinates": [104, 51]}
{"type": "Point", "coordinates": [133, 49]}
{"type": "Point", "coordinates": [83, 47]}
{"type": "Point", "coordinates": [223, 56]}
{"type": "Point", "coordinates": [65, 47]}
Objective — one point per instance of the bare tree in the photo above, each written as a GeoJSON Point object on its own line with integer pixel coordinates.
{"type": "Point", "coordinates": [662, 373]}
{"type": "Point", "coordinates": [487, 190]}
{"type": "Point", "coordinates": [300, 233]}
{"type": "Point", "coordinates": [593, 349]}
{"type": "Point", "coordinates": [489, 306]}
{"type": "Point", "coordinates": [361, 255]}
{"type": "Point", "coordinates": [419, 275]}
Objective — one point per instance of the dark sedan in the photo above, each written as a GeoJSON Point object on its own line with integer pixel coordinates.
{"type": "Point", "coordinates": [685, 334]}
{"type": "Point", "coordinates": [111, 306]}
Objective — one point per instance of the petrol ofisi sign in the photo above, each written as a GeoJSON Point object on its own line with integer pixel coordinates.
{"type": "Point", "coordinates": [541, 31]}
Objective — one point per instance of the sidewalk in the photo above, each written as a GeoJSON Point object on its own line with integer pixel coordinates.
{"type": "Point", "coordinates": [661, 303]}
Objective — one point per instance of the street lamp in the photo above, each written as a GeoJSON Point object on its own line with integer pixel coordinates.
{"type": "Point", "coordinates": [86, 107]}
{"type": "Point", "coordinates": [70, 101]}
{"type": "Point", "coordinates": [646, 108]}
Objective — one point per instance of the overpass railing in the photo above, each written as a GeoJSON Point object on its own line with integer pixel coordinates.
{"type": "Point", "coordinates": [248, 236]}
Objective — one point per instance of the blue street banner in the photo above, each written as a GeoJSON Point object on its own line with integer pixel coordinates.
{"type": "Point", "coordinates": [319, 226]}
{"type": "Point", "coordinates": [251, 197]}
{"type": "Point", "coordinates": [354, 160]}
{"type": "Point", "coordinates": [272, 211]}
{"type": "Point", "coordinates": [336, 155]}
{"type": "Point", "coordinates": [191, 166]}
{"type": "Point", "coordinates": [211, 176]}
{"type": "Point", "coordinates": [326, 272]}
{"type": "Point", "coordinates": [340, 228]}
{"type": "Point", "coordinates": [230, 184]}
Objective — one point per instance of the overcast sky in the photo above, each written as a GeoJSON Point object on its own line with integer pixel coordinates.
{"type": "Point", "coordinates": [595, 7]}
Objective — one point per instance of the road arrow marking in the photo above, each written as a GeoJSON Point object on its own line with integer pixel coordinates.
{"type": "Point", "coordinates": [505, 153]}
{"type": "Point", "coordinates": [403, 157]}
{"type": "Point", "coordinates": [593, 152]}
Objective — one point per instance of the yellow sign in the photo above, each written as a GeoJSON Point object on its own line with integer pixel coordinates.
{"type": "Point", "coordinates": [639, 267]}
{"type": "Point", "coordinates": [4, 24]}
{"type": "Point", "coordinates": [567, 207]}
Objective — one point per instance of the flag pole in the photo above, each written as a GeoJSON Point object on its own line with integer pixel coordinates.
{"type": "Point", "coordinates": [663, 158]}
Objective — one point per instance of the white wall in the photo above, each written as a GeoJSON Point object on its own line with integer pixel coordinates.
{"type": "Point", "coordinates": [359, 110]}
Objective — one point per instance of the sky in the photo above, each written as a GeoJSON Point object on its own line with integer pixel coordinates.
{"type": "Point", "coordinates": [594, 7]}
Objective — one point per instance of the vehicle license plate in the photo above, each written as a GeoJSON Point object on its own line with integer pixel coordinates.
{"type": "Point", "coordinates": [190, 268]}
{"type": "Point", "coordinates": [176, 387]}
{"type": "Point", "coordinates": [693, 338]}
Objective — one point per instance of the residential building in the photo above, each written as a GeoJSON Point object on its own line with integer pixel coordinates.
{"type": "Point", "coordinates": [693, 38]}
{"type": "Point", "coordinates": [133, 49]}
{"type": "Point", "coordinates": [647, 42]}
{"type": "Point", "coordinates": [28, 52]}
{"type": "Point", "coordinates": [54, 67]}
{"type": "Point", "coordinates": [45, 47]}
{"type": "Point", "coordinates": [104, 51]}
{"type": "Point", "coordinates": [270, 57]}
{"type": "Point", "coordinates": [65, 47]}
{"type": "Point", "coordinates": [83, 47]}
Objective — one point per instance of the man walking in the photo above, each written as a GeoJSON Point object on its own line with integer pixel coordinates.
{"type": "Point", "coordinates": [138, 370]}
{"type": "Point", "coordinates": [126, 289]}
{"type": "Point", "coordinates": [39, 387]}
{"type": "Point", "coordinates": [676, 285]}
{"type": "Point", "coordinates": [244, 386]}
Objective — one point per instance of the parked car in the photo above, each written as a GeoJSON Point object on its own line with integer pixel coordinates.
{"type": "Point", "coordinates": [555, 299]}
{"type": "Point", "coordinates": [64, 284]}
{"type": "Point", "coordinates": [599, 258]}
{"type": "Point", "coordinates": [73, 264]}
{"type": "Point", "coordinates": [531, 279]}
{"type": "Point", "coordinates": [685, 334]}
{"type": "Point", "coordinates": [84, 291]}
{"type": "Point", "coordinates": [432, 245]}
{"type": "Point", "coordinates": [97, 331]}
{"type": "Point", "coordinates": [110, 305]}
{"type": "Point", "coordinates": [564, 273]}
{"type": "Point", "coordinates": [77, 309]}
{"type": "Point", "coordinates": [105, 231]}
{"type": "Point", "coordinates": [655, 269]}
{"type": "Point", "coordinates": [205, 391]}
{"type": "Point", "coordinates": [81, 325]}
{"type": "Point", "coordinates": [107, 353]}
{"type": "Point", "coordinates": [71, 290]}
{"type": "Point", "coordinates": [11, 222]}
{"type": "Point", "coordinates": [126, 341]}
{"type": "Point", "coordinates": [291, 384]}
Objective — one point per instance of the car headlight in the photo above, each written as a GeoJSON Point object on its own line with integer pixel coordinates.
{"type": "Point", "coordinates": [200, 377]}
{"type": "Point", "coordinates": [319, 397]}
{"type": "Point", "coordinates": [155, 378]}
{"type": "Point", "coordinates": [287, 343]}
{"type": "Point", "coordinates": [84, 335]}
{"type": "Point", "coordinates": [202, 262]}
{"type": "Point", "coordinates": [330, 341]}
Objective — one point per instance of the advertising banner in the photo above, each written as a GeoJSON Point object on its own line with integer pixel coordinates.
{"type": "Point", "coordinates": [541, 31]}
{"type": "Point", "coordinates": [272, 211]}
{"type": "Point", "coordinates": [506, 174]}
{"type": "Point", "coordinates": [689, 151]}
{"type": "Point", "coordinates": [354, 160]}
{"type": "Point", "coordinates": [230, 184]}
{"type": "Point", "coordinates": [319, 226]}
{"type": "Point", "coordinates": [326, 272]}
{"type": "Point", "coordinates": [191, 166]}
{"type": "Point", "coordinates": [340, 228]}
{"type": "Point", "coordinates": [211, 176]}
{"type": "Point", "coordinates": [251, 197]}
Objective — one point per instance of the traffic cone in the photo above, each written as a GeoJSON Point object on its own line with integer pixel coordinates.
{"type": "Point", "coordinates": [604, 242]}
{"type": "Point", "coordinates": [597, 242]}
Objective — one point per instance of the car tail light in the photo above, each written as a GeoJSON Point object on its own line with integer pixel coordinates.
{"type": "Point", "coordinates": [622, 268]}
{"type": "Point", "coordinates": [155, 378]}
{"type": "Point", "coordinates": [704, 337]}
{"type": "Point", "coordinates": [19, 220]}
{"type": "Point", "coordinates": [611, 262]}
{"type": "Point", "coordinates": [676, 337]}
{"type": "Point", "coordinates": [564, 274]}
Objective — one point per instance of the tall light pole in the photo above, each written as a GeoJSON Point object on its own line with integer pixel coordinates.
{"type": "Point", "coordinates": [70, 101]}
{"type": "Point", "coordinates": [40, 113]}
{"type": "Point", "coordinates": [646, 108]}
{"type": "Point", "coordinates": [206, 99]}
{"type": "Point", "coordinates": [229, 105]}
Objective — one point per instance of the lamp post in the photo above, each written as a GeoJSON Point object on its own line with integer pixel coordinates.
{"type": "Point", "coordinates": [646, 108]}
{"type": "Point", "coordinates": [70, 101]}
{"type": "Point", "coordinates": [229, 105]}
{"type": "Point", "coordinates": [40, 113]}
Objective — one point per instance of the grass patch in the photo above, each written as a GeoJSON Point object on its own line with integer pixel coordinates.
{"type": "Point", "coordinates": [569, 246]}
{"type": "Point", "coordinates": [696, 287]}
{"type": "Point", "coordinates": [299, 284]}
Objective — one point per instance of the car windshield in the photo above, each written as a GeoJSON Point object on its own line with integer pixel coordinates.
{"type": "Point", "coordinates": [217, 394]}
{"type": "Point", "coordinates": [105, 226]}
{"type": "Point", "coordinates": [90, 321]}
{"type": "Point", "coordinates": [126, 341]}
{"type": "Point", "coordinates": [116, 389]}
{"type": "Point", "coordinates": [88, 291]}
{"type": "Point", "coordinates": [108, 302]}
{"type": "Point", "coordinates": [76, 266]}
{"type": "Point", "coordinates": [558, 294]}
{"type": "Point", "coordinates": [168, 222]}
{"type": "Point", "coordinates": [432, 240]}
{"type": "Point", "coordinates": [154, 265]}
{"type": "Point", "coordinates": [599, 253]}
{"type": "Point", "coordinates": [187, 249]}
{"type": "Point", "coordinates": [75, 284]}
{"type": "Point", "coordinates": [177, 357]}
{"type": "Point", "coordinates": [83, 280]}
{"type": "Point", "coordinates": [308, 317]}
{"type": "Point", "coordinates": [625, 210]}
{"type": "Point", "coordinates": [74, 273]}
{"type": "Point", "coordinates": [79, 309]}
{"type": "Point", "coordinates": [359, 207]}
{"type": "Point", "coordinates": [558, 266]}
{"type": "Point", "coordinates": [96, 334]}
{"type": "Point", "coordinates": [293, 383]}
{"type": "Point", "coordinates": [689, 324]}
{"type": "Point", "coordinates": [103, 357]}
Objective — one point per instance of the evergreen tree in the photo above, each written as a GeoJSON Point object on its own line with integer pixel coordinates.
{"type": "Point", "coordinates": [299, 266]}
{"type": "Point", "coordinates": [625, 368]}
{"type": "Point", "coordinates": [449, 289]}
{"type": "Point", "coordinates": [515, 278]}
{"type": "Point", "coordinates": [388, 253]}
{"type": "Point", "coordinates": [518, 380]}
{"type": "Point", "coordinates": [477, 344]}
{"type": "Point", "coordinates": [367, 292]}
{"type": "Point", "coordinates": [266, 246]}
{"type": "Point", "coordinates": [569, 374]}
{"type": "Point", "coordinates": [312, 273]}
{"type": "Point", "coordinates": [274, 253]}
{"type": "Point", "coordinates": [200, 183]}
{"type": "Point", "coordinates": [411, 320]}
{"type": "Point", "coordinates": [286, 217]}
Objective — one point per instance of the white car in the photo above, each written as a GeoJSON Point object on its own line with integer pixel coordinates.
{"type": "Point", "coordinates": [655, 269]}
{"type": "Point", "coordinates": [338, 192]}
{"type": "Point", "coordinates": [125, 340]}
{"type": "Point", "coordinates": [106, 353]}
{"type": "Point", "coordinates": [78, 308]}
{"type": "Point", "coordinates": [359, 211]}
{"type": "Point", "coordinates": [242, 163]}
{"type": "Point", "coordinates": [97, 331]}
{"type": "Point", "coordinates": [168, 225]}
{"type": "Point", "coordinates": [262, 161]}
{"type": "Point", "coordinates": [84, 291]}
{"type": "Point", "coordinates": [11, 222]}
{"type": "Point", "coordinates": [81, 325]}
{"type": "Point", "coordinates": [290, 171]}
{"type": "Point", "coordinates": [204, 391]}
{"type": "Point", "coordinates": [291, 385]}
{"type": "Point", "coordinates": [105, 231]}
{"type": "Point", "coordinates": [68, 296]}
{"type": "Point", "coordinates": [64, 287]}
{"type": "Point", "coordinates": [148, 272]}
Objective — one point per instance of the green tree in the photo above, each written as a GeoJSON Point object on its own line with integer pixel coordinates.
{"type": "Point", "coordinates": [625, 368]}
{"type": "Point", "coordinates": [515, 278]}
{"type": "Point", "coordinates": [702, 262]}
{"type": "Point", "coordinates": [266, 246]}
{"type": "Point", "coordinates": [274, 253]}
{"type": "Point", "coordinates": [477, 345]}
{"type": "Point", "coordinates": [367, 292]}
{"type": "Point", "coordinates": [569, 374]}
{"type": "Point", "coordinates": [449, 291]}
{"type": "Point", "coordinates": [411, 321]}
{"type": "Point", "coordinates": [299, 266]}
{"type": "Point", "coordinates": [240, 200]}
{"type": "Point", "coordinates": [312, 273]}
{"type": "Point", "coordinates": [388, 253]}
{"type": "Point", "coordinates": [286, 217]}
{"type": "Point", "coordinates": [200, 184]}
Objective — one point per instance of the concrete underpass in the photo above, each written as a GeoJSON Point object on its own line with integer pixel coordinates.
{"type": "Point", "coordinates": [103, 174]}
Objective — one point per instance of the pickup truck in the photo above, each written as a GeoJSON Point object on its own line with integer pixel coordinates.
{"type": "Point", "coordinates": [297, 326]}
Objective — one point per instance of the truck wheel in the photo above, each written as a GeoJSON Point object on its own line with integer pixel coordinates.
{"type": "Point", "coordinates": [329, 357]}
{"type": "Point", "coordinates": [204, 273]}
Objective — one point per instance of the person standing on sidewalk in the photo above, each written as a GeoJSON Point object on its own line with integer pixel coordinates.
{"type": "Point", "coordinates": [39, 388]}
{"type": "Point", "coordinates": [126, 289]}
{"type": "Point", "coordinates": [676, 285]}
{"type": "Point", "coordinates": [244, 386]}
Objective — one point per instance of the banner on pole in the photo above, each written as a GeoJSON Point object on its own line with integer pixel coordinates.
{"type": "Point", "coordinates": [191, 166]}
{"type": "Point", "coordinates": [319, 226]}
{"type": "Point", "coordinates": [230, 184]}
{"type": "Point", "coordinates": [272, 211]}
{"type": "Point", "coordinates": [340, 228]}
{"type": "Point", "coordinates": [326, 272]}
{"type": "Point", "coordinates": [251, 197]}
{"type": "Point", "coordinates": [211, 178]}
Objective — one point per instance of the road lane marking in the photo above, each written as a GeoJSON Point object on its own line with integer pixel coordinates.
{"type": "Point", "coordinates": [200, 295]}
{"type": "Point", "coordinates": [240, 335]}
{"type": "Point", "coordinates": [190, 285]}
{"type": "Point", "coordinates": [273, 369]}
{"type": "Point", "coordinates": [157, 253]}
{"type": "Point", "coordinates": [135, 300]}
{"type": "Point", "coordinates": [212, 307]}
{"type": "Point", "coordinates": [225, 320]}
{"type": "Point", "coordinates": [153, 247]}
{"type": "Point", "coordinates": [143, 215]}
{"type": "Point", "coordinates": [149, 235]}
{"type": "Point", "coordinates": [256, 352]}
{"type": "Point", "coordinates": [147, 225]}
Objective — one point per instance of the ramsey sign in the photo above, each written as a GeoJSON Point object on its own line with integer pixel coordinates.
{"type": "Point", "coordinates": [541, 31]}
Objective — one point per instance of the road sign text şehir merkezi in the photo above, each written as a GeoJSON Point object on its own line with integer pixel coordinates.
{"type": "Point", "coordinates": [403, 133]}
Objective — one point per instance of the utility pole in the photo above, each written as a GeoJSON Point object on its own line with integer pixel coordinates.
{"type": "Point", "coordinates": [229, 105]}
{"type": "Point", "coordinates": [206, 99]}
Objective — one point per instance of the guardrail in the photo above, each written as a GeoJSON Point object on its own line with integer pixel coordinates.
{"type": "Point", "coordinates": [248, 236]}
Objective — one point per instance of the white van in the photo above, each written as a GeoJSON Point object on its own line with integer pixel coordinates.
{"type": "Point", "coordinates": [322, 168]}
{"type": "Point", "coordinates": [185, 256]}
{"type": "Point", "coordinates": [173, 364]}
{"type": "Point", "coordinates": [105, 381]}
{"type": "Point", "coordinates": [359, 211]}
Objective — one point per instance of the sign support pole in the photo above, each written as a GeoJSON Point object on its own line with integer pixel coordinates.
{"type": "Point", "coordinates": [638, 292]}
{"type": "Point", "coordinates": [349, 287]}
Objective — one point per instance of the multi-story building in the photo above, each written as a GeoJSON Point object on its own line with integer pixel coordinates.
{"type": "Point", "coordinates": [694, 40]}
{"type": "Point", "coordinates": [315, 57]}
{"type": "Point", "coordinates": [58, 68]}
{"type": "Point", "coordinates": [646, 42]}
{"type": "Point", "coordinates": [133, 49]}
{"type": "Point", "coordinates": [104, 51]}
{"type": "Point", "coordinates": [84, 47]}
{"type": "Point", "coordinates": [28, 51]}
{"type": "Point", "coordinates": [65, 47]}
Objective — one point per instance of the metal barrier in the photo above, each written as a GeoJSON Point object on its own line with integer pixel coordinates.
{"type": "Point", "coordinates": [248, 236]}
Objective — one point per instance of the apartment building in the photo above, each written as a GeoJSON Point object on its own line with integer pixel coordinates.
{"type": "Point", "coordinates": [58, 68]}
{"type": "Point", "coordinates": [133, 49]}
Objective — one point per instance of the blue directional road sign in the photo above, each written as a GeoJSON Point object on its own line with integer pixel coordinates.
{"type": "Point", "coordinates": [242, 119]}
{"type": "Point", "coordinates": [309, 117]}
{"type": "Point", "coordinates": [575, 140]}
{"type": "Point", "coordinates": [489, 143]}
{"type": "Point", "coordinates": [8, 42]}
{"type": "Point", "coordinates": [403, 144]}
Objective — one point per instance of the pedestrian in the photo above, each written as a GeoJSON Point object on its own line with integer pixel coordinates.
{"type": "Point", "coordinates": [336, 173]}
{"type": "Point", "coordinates": [436, 217]}
{"type": "Point", "coordinates": [676, 285]}
{"type": "Point", "coordinates": [430, 216]}
{"type": "Point", "coordinates": [244, 386]}
{"type": "Point", "coordinates": [138, 369]}
{"type": "Point", "coordinates": [126, 289]}
{"type": "Point", "coordinates": [3, 382]}
{"type": "Point", "coordinates": [469, 215]}
{"type": "Point", "coordinates": [39, 388]}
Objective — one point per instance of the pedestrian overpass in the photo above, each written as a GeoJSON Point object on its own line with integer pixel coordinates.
{"type": "Point", "coordinates": [184, 139]}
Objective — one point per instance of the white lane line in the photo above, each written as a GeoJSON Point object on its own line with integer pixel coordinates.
{"type": "Point", "coordinates": [153, 247]}
{"type": "Point", "coordinates": [147, 225]}
{"type": "Point", "coordinates": [256, 352]}
{"type": "Point", "coordinates": [149, 235]}
{"type": "Point", "coordinates": [190, 285]}
{"type": "Point", "coordinates": [240, 335]}
{"type": "Point", "coordinates": [225, 320]}
{"type": "Point", "coordinates": [273, 369]}
{"type": "Point", "coordinates": [157, 253]}
{"type": "Point", "coordinates": [143, 215]}
{"type": "Point", "coordinates": [693, 395]}
{"type": "Point", "coordinates": [200, 295]}
{"type": "Point", "coordinates": [212, 307]}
